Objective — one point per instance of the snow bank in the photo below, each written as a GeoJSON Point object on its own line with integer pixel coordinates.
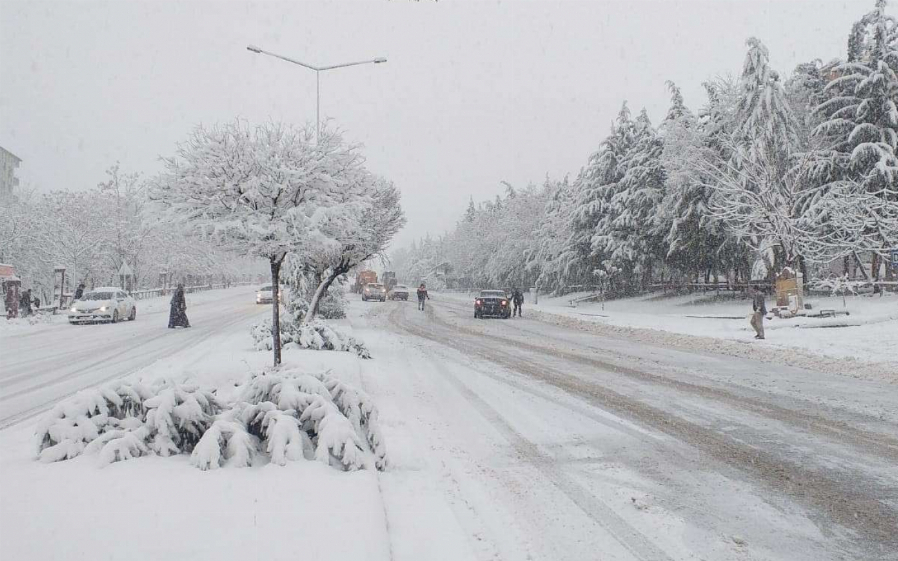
{"type": "Point", "coordinates": [282, 414]}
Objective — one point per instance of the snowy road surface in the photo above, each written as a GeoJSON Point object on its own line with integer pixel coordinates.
{"type": "Point", "coordinates": [508, 439]}
{"type": "Point", "coordinates": [535, 441]}
{"type": "Point", "coordinates": [40, 366]}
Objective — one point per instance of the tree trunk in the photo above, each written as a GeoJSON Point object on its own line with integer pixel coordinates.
{"type": "Point", "coordinates": [320, 292]}
{"type": "Point", "coordinates": [874, 267]}
{"type": "Point", "coordinates": [276, 308]}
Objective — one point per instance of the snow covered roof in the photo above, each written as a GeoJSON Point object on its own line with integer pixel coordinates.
{"type": "Point", "coordinates": [105, 289]}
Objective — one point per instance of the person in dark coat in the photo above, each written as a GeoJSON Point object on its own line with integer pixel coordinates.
{"type": "Point", "coordinates": [422, 294]}
{"type": "Point", "coordinates": [759, 310]}
{"type": "Point", "coordinates": [79, 292]}
{"type": "Point", "coordinates": [518, 300]}
{"type": "Point", "coordinates": [25, 304]}
{"type": "Point", "coordinates": [177, 316]}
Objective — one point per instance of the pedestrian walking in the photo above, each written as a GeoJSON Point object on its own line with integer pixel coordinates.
{"type": "Point", "coordinates": [422, 295]}
{"type": "Point", "coordinates": [25, 304]}
{"type": "Point", "coordinates": [79, 292]}
{"type": "Point", "coordinates": [11, 302]}
{"type": "Point", "coordinates": [177, 316]}
{"type": "Point", "coordinates": [759, 310]}
{"type": "Point", "coordinates": [518, 300]}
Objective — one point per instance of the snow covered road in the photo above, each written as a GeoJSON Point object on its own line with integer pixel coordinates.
{"type": "Point", "coordinates": [43, 364]}
{"type": "Point", "coordinates": [535, 441]}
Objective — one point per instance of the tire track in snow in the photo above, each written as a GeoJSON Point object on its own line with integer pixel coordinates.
{"type": "Point", "coordinates": [629, 537]}
{"type": "Point", "coordinates": [876, 444]}
{"type": "Point", "coordinates": [861, 508]}
{"type": "Point", "coordinates": [158, 353]}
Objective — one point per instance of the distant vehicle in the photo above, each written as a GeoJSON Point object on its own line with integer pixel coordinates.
{"type": "Point", "coordinates": [374, 291]}
{"type": "Point", "coordinates": [389, 280]}
{"type": "Point", "coordinates": [492, 303]}
{"type": "Point", "coordinates": [106, 303]}
{"type": "Point", "coordinates": [363, 278]}
{"type": "Point", "coordinates": [399, 292]}
{"type": "Point", "coordinates": [265, 295]}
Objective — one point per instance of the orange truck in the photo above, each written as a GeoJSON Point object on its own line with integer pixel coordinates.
{"type": "Point", "coordinates": [363, 278]}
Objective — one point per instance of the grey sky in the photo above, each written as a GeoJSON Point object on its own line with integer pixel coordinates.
{"type": "Point", "coordinates": [473, 93]}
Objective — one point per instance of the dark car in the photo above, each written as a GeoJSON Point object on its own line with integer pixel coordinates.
{"type": "Point", "coordinates": [492, 303]}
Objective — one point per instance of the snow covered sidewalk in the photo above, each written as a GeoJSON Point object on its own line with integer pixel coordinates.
{"type": "Point", "coordinates": [858, 345]}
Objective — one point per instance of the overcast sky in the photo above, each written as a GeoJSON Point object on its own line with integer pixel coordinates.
{"type": "Point", "coordinates": [472, 94]}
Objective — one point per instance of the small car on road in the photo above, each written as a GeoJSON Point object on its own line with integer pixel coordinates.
{"type": "Point", "coordinates": [399, 292]}
{"type": "Point", "coordinates": [374, 291]}
{"type": "Point", "coordinates": [492, 303]}
{"type": "Point", "coordinates": [265, 294]}
{"type": "Point", "coordinates": [105, 303]}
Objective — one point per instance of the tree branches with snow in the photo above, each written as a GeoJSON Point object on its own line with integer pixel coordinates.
{"type": "Point", "coordinates": [262, 190]}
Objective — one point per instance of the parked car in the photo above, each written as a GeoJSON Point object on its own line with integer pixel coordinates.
{"type": "Point", "coordinates": [399, 292]}
{"type": "Point", "coordinates": [265, 294]}
{"type": "Point", "coordinates": [374, 291]}
{"type": "Point", "coordinates": [106, 303]}
{"type": "Point", "coordinates": [492, 303]}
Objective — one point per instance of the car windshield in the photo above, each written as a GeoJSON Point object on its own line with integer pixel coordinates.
{"type": "Point", "coordinates": [492, 294]}
{"type": "Point", "coordinates": [265, 289]}
{"type": "Point", "coordinates": [375, 286]}
{"type": "Point", "coordinates": [400, 287]}
{"type": "Point", "coordinates": [97, 296]}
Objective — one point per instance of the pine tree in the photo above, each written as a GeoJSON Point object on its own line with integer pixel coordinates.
{"type": "Point", "coordinates": [857, 169]}
{"type": "Point", "coordinates": [592, 241]}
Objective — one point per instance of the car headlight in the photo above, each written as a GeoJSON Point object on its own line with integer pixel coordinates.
{"type": "Point", "coordinates": [74, 309]}
{"type": "Point", "coordinates": [102, 308]}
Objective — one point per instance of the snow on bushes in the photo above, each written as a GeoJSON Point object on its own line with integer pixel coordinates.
{"type": "Point", "coordinates": [316, 335]}
{"type": "Point", "coordinates": [282, 415]}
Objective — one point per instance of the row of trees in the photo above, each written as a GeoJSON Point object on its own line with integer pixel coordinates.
{"type": "Point", "coordinates": [784, 172]}
{"type": "Point", "coordinates": [280, 193]}
{"type": "Point", "coordinates": [92, 233]}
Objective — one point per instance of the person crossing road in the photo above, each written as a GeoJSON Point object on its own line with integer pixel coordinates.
{"type": "Point", "coordinates": [518, 300]}
{"type": "Point", "coordinates": [422, 295]}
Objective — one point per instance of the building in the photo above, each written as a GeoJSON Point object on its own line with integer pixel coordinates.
{"type": "Point", "coordinates": [8, 164]}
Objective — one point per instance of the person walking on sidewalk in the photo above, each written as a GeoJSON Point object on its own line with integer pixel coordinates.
{"type": "Point", "coordinates": [422, 294]}
{"type": "Point", "coordinates": [177, 316]}
{"type": "Point", "coordinates": [759, 310]}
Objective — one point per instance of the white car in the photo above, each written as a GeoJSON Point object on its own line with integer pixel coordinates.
{"type": "Point", "coordinates": [105, 303]}
{"type": "Point", "coordinates": [265, 294]}
{"type": "Point", "coordinates": [374, 291]}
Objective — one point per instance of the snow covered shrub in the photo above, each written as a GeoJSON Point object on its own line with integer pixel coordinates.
{"type": "Point", "coordinates": [332, 306]}
{"type": "Point", "coordinates": [316, 335]}
{"type": "Point", "coordinates": [285, 415]}
{"type": "Point", "coordinates": [124, 420]}
{"type": "Point", "coordinates": [299, 415]}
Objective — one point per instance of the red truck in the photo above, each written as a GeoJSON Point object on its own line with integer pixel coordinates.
{"type": "Point", "coordinates": [363, 278]}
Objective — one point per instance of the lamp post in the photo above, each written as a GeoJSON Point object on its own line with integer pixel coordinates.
{"type": "Point", "coordinates": [318, 70]}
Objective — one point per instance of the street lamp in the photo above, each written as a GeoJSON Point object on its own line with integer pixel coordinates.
{"type": "Point", "coordinates": [318, 70]}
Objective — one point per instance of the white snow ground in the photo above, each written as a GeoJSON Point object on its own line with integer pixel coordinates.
{"type": "Point", "coordinates": [508, 439]}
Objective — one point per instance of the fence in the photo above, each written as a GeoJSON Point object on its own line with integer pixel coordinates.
{"type": "Point", "coordinates": [157, 292]}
